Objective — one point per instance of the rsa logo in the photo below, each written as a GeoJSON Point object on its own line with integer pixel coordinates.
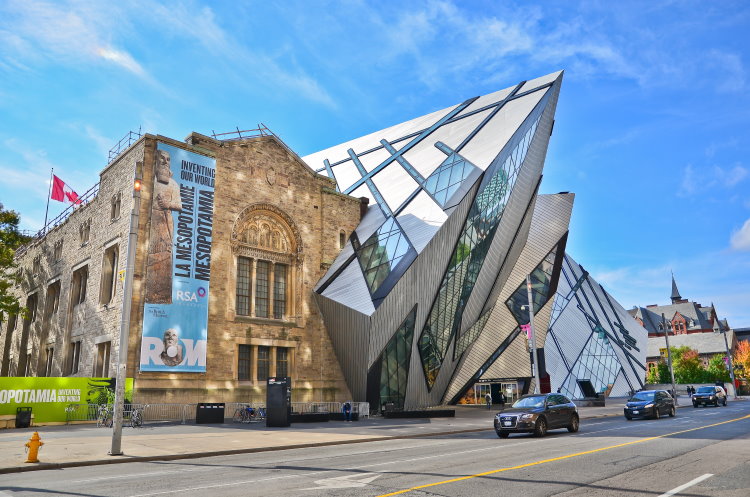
{"type": "Point", "coordinates": [190, 296]}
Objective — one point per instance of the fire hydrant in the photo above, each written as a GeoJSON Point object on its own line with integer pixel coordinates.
{"type": "Point", "coordinates": [33, 446]}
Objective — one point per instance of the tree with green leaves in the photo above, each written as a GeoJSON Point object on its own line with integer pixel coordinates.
{"type": "Point", "coordinates": [10, 239]}
{"type": "Point", "coordinates": [659, 374]}
{"type": "Point", "coordinates": [687, 364]}
{"type": "Point", "coordinates": [717, 369]}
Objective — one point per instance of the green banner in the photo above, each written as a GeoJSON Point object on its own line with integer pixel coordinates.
{"type": "Point", "coordinates": [48, 397]}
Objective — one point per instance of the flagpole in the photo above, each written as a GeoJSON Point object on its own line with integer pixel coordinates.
{"type": "Point", "coordinates": [49, 193]}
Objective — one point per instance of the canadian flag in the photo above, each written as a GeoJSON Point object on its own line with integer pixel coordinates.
{"type": "Point", "coordinates": [62, 192]}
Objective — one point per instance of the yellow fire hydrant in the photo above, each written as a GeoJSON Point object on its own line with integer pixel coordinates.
{"type": "Point", "coordinates": [33, 446]}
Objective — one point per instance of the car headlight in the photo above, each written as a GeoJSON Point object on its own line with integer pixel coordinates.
{"type": "Point", "coordinates": [648, 405]}
{"type": "Point", "coordinates": [712, 397]}
{"type": "Point", "coordinates": [527, 416]}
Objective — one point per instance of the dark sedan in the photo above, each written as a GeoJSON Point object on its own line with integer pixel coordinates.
{"type": "Point", "coordinates": [649, 404]}
{"type": "Point", "coordinates": [536, 414]}
{"type": "Point", "coordinates": [709, 395]}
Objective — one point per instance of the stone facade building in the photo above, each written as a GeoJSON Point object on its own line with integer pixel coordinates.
{"type": "Point", "coordinates": [688, 324]}
{"type": "Point", "coordinates": [277, 228]}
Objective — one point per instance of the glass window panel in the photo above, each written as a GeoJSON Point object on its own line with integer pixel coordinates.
{"type": "Point", "coordinates": [484, 217]}
{"type": "Point", "coordinates": [264, 355]}
{"type": "Point", "coordinates": [243, 286]}
{"type": "Point", "coordinates": [282, 361]}
{"type": "Point", "coordinates": [244, 359]}
{"type": "Point", "coordinates": [381, 252]}
{"type": "Point", "coordinates": [279, 291]}
{"type": "Point", "coordinates": [261, 289]}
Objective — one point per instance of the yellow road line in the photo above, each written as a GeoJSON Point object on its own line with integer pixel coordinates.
{"type": "Point", "coordinates": [536, 463]}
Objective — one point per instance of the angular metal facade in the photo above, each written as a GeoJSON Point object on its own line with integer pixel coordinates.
{"type": "Point", "coordinates": [593, 343]}
{"type": "Point", "coordinates": [451, 201]}
{"type": "Point", "coordinates": [501, 350]}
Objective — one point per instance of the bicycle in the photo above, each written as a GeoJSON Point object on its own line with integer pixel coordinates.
{"type": "Point", "coordinates": [136, 416]}
{"type": "Point", "coordinates": [104, 416]}
{"type": "Point", "coordinates": [247, 414]}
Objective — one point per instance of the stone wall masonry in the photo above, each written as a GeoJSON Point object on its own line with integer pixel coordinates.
{"type": "Point", "coordinates": [90, 322]}
{"type": "Point", "coordinates": [255, 173]}
{"type": "Point", "coordinates": [251, 173]}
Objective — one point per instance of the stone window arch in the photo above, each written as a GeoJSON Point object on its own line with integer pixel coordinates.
{"type": "Point", "coordinates": [266, 246]}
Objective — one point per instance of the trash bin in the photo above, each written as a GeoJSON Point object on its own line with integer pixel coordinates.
{"type": "Point", "coordinates": [209, 412]}
{"type": "Point", "coordinates": [23, 417]}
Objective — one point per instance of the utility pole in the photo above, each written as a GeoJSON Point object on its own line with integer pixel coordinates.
{"type": "Point", "coordinates": [534, 351]}
{"type": "Point", "coordinates": [127, 297]}
{"type": "Point", "coordinates": [669, 357]}
{"type": "Point", "coordinates": [729, 363]}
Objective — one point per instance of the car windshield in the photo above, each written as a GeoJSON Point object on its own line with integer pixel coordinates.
{"type": "Point", "coordinates": [536, 401]}
{"type": "Point", "coordinates": [642, 396]}
{"type": "Point", "coordinates": [705, 390]}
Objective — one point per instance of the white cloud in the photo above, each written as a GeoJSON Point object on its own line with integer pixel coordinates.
{"type": "Point", "coordinates": [740, 239]}
{"type": "Point", "coordinates": [695, 181]}
{"type": "Point", "coordinates": [121, 58]}
{"type": "Point", "coordinates": [200, 25]}
{"type": "Point", "coordinates": [729, 69]}
{"type": "Point", "coordinates": [72, 32]}
{"type": "Point", "coordinates": [731, 177]}
{"type": "Point", "coordinates": [103, 144]}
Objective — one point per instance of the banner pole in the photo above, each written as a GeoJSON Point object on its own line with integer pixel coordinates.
{"type": "Point", "coordinates": [49, 194]}
{"type": "Point", "coordinates": [127, 297]}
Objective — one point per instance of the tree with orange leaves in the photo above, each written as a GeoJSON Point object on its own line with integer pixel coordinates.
{"type": "Point", "coordinates": [742, 359]}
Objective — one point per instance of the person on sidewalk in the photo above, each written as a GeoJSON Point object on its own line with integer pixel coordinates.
{"type": "Point", "coordinates": [689, 391]}
{"type": "Point", "coordinates": [488, 400]}
{"type": "Point", "coordinates": [347, 410]}
{"type": "Point", "coordinates": [502, 400]}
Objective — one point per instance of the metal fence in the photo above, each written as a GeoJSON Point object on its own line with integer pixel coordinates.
{"type": "Point", "coordinates": [185, 413]}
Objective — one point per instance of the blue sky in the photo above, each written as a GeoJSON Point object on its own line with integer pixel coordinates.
{"type": "Point", "coordinates": [652, 129]}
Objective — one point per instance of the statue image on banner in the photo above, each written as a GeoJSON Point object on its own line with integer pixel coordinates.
{"type": "Point", "coordinates": [166, 198]}
{"type": "Point", "coordinates": [172, 354]}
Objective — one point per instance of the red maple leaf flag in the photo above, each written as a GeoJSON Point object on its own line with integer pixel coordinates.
{"type": "Point", "coordinates": [62, 192]}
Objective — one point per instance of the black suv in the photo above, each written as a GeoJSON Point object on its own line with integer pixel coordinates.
{"type": "Point", "coordinates": [709, 395]}
{"type": "Point", "coordinates": [649, 403]}
{"type": "Point", "coordinates": [537, 414]}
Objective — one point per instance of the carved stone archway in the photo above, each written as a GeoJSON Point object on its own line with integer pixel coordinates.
{"type": "Point", "coordinates": [266, 228]}
{"type": "Point", "coordinates": [263, 232]}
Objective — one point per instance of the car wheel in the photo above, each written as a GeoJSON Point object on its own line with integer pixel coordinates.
{"type": "Point", "coordinates": [629, 418]}
{"type": "Point", "coordinates": [671, 412]}
{"type": "Point", "coordinates": [725, 402]}
{"type": "Point", "coordinates": [657, 415]}
{"type": "Point", "coordinates": [695, 404]}
{"type": "Point", "coordinates": [716, 403]}
{"type": "Point", "coordinates": [541, 427]}
{"type": "Point", "coordinates": [502, 434]}
{"type": "Point", "coordinates": [574, 424]}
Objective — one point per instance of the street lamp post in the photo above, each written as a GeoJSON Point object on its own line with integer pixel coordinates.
{"type": "Point", "coordinates": [534, 351]}
{"type": "Point", "coordinates": [669, 357]}
{"type": "Point", "coordinates": [127, 297]}
{"type": "Point", "coordinates": [729, 363]}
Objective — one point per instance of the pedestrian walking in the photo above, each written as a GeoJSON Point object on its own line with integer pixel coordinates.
{"type": "Point", "coordinates": [488, 399]}
{"type": "Point", "coordinates": [347, 410]}
{"type": "Point", "coordinates": [502, 400]}
{"type": "Point", "coordinates": [690, 391]}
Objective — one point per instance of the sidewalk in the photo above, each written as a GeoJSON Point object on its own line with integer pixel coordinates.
{"type": "Point", "coordinates": [83, 445]}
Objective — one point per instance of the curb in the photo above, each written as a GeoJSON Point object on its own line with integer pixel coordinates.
{"type": "Point", "coordinates": [197, 455]}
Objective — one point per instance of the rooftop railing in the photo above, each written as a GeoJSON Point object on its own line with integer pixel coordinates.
{"type": "Point", "coordinates": [124, 143]}
{"type": "Point", "coordinates": [261, 130]}
{"type": "Point", "coordinates": [84, 199]}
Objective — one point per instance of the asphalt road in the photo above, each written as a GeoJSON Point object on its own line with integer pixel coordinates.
{"type": "Point", "coordinates": [700, 452]}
